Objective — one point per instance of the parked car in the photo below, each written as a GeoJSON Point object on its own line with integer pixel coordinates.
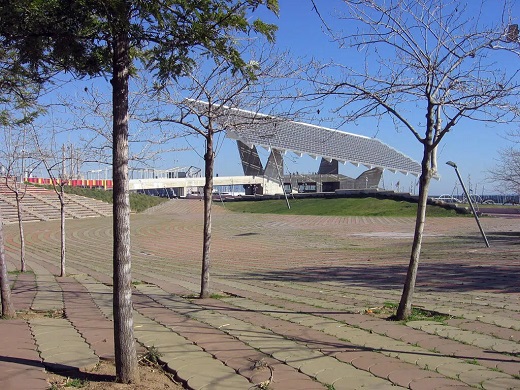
{"type": "Point", "coordinates": [447, 199]}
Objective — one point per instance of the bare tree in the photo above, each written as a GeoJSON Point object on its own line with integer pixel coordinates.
{"type": "Point", "coordinates": [15, 86]}
{"type": "Point", "coordinates": [53, 164]}
{"type": "Point", "coordinates": [17, 164]}
{"type": "Point", "coordinates": [19, 190]}
{"type": "Point", "coordinates": [90, 117]}
{"type": "Point", "coordinates": [506, 172]}
{"type": "Point", "coordinates": [443, 59]}
{"type": "Point", "coordinates": [196, 101]}
{"type": "Point", "coordinates": [7, 305]}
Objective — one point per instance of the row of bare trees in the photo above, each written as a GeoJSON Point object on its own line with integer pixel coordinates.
{"type": "Point", "coordinates": [113, 38]}
{"type": "Point", "coordinates": [437, 58]}
{"type": "Point", "coordinates": [22, 155]}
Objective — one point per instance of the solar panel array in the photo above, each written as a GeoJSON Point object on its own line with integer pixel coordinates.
{"type": "Point", "coordinates": [302, 138]}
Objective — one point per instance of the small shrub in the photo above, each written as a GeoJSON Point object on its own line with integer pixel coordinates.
{"type": "Point", "coordinates": [151, 357]}
{"type": "Point", "coordinates": [419, 314]}
{"type": "Point", "coordinates": [77, 383]}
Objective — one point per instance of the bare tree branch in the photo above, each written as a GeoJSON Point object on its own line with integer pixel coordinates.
{"type": "Point", "coordinates": [434, 57]}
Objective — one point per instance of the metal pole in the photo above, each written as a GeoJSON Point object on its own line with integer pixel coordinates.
{"type": "Point", "coordinates": [471, 206]}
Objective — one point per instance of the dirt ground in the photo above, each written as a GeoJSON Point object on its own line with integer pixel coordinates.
{"type": "Point", "coordinates": [103, 377]}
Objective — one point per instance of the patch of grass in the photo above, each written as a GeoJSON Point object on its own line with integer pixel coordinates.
{"type": "Point", "coordinates": [419, 314]}
{"type": "Point", "coordinates": [338, 207]}
{"type": "Point", "coordinates": [190, 296]}
{"type": "Point", "coordinates": [472, 361]}
{"type": "Point", "coordinates": [78, 383]}
{"type": "Point", "coordinates": [329, 387]}
{"type": "Point", "coordinates": [18, 272]}
{"type": "Point", "coordinates": [54, 313]}
{"type": "Point", "coordinates": [389, 310]}
{"type": "Point", "coordinates": [141, 202]}
{"type": "Point", "coordinates": [137, 283]}
{"type": "Point", "coordinates": [219, 295]}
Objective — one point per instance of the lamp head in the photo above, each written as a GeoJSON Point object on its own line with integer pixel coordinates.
{"type": "Point", "coordinates": [451, 164]}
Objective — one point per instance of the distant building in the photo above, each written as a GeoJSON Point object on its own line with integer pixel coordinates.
{"type": "Point", "coordinates": [279, 136]}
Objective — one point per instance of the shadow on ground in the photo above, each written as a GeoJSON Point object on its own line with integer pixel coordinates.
{"type": "Point", "coordinates": [497, 238]}
{"type": "Point", "coordinates": [437, 277]}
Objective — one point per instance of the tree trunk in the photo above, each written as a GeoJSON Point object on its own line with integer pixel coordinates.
{"type": "Point", "coordinates": [62, 219]}
{"type": "Point", "coordinates": [5, 290]}
{"type": "Point", "coordinates": [23, 267]}
{"type": "Point", "coordinates": [405, 305]}
{"type": "Point", "coordinates": [125, 352]}
{"type": "Point", "coordinates": [208, 200]}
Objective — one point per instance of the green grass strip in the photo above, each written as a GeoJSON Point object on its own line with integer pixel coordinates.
{"type": "Point", "coordinates": [337, 207]}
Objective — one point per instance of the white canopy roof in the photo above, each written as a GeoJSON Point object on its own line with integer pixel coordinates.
{"type": "Point", "coordinates": [303, 138]}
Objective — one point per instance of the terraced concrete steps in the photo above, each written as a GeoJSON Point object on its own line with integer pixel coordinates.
{"type": "Point", "coordinates": [40, 204]}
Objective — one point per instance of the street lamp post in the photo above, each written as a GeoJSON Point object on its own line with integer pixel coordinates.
{"type": "Point", "coordinates": [452, 164]}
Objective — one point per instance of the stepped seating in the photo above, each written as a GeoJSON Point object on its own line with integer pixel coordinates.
{"type": "Point", "coordinates": [40, 204]}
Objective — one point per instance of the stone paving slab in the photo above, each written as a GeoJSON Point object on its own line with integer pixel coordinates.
{"type": "Point", "coordinates": [467, 337]}
{"type": "Point", "coordinates": [285, 350]}
{"type": "Point", "coordinates": [362, 383]}
{"type": "Point", "coordinates": [21, 367]}
{"type": "Point", "coordinates": [60, 345]}
{"type": "Point", "coordinates": [299, 316]}
{"type": "Point", "coordinates": [235, 354]}
{"type": "Point", "coordinates": [49, 296]}
{"type": "Point", "coordinates": [409, 354]}
{"type": "Point", "coordinates": [24, 290]}
{"type": "Point", "coordinates": [500, 384]}
{"type": "Point", "coordinates": [88, 320]}
{"type": "Point", "coordinates": [484, 377]}
{"type": "Point", "coordinates": [493, 330]}
{"type": "Point", "coordinates": [435, 383]}
{"type": "Point", "coordinates": [191, 364]}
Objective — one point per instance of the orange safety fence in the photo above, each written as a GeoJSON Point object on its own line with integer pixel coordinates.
{"type": "Point", "coordinates": [85, 183]}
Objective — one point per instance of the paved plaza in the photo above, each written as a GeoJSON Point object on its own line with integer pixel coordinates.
{"type": "Point", "coordinates": [297, 301]}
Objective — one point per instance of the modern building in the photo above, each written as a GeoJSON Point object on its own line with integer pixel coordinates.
{"type": "Point", "coordinates": [279, 136]}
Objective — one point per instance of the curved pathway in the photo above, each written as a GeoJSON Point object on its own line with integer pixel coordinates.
{"type": "Point", "coordinates": [296, 301]}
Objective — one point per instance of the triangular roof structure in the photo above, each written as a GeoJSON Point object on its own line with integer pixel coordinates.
{"type": "Point", "coordinates": [300, 138]}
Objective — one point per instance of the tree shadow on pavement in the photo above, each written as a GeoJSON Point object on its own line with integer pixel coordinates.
{"type": "Point", "coordinates": [441, 276]}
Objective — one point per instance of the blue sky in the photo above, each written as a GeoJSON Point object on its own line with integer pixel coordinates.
{"type": "Point", "coordinates": [472, 145]}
